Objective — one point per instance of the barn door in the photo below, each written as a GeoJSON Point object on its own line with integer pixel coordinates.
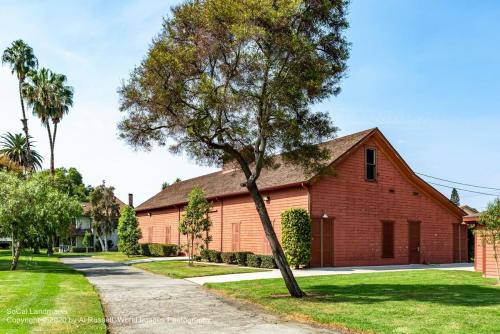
{"type": "Point", "coordinates": [235, 245]}
{"type": "Point", "coordinates": [322, 243]}
{"type": "Point", "coordinates": [167, 234]}
{"type": "Point", "coordinates": [413, 242]}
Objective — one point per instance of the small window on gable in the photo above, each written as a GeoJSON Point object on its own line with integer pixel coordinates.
{"type": "Point", "coordinates": [371, 164]}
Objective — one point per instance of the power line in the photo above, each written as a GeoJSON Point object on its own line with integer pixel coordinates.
{"type": "Point", "coordinates": [471, 191]}
{"type": "Point", "coordinates": [463, 184]}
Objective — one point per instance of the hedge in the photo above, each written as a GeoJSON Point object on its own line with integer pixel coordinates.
{"type": "Point", "coordinates": [159, 249]}
{"type": "Point", "coordinates": [296, 236]}
{"type": "Point", "coordinates": [267, 261]}
{"type": "Point", "coordinates": [214, 256]}
{"type": "Point", "coordinates": [241, 258]}
{"type": "Point", "coordinates": [253, 260]}
{"type": "Point", "coordinates": [81, 249]}
{"type": "Point", "coordinates": [205, 255]}
{"type": "Point", "coordinates": [228, 257]}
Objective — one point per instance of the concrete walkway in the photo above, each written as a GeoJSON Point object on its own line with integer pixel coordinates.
{"type": "Point", "coordinates": [136, 301]}
{"type": "Point", "coordinates": [275, 273]}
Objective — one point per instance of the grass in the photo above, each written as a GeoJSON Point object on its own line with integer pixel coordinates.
{"type": "Point", "coordinates": [46, 296]}
{"type": "Point", "coordinates": [428, 301]}
{"type": "Point", "coordinates": [182, 269]}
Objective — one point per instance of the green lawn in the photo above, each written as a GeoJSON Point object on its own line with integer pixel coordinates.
{"type": "Point", "coordinates": [182, 269]}
{"type": "Point", "coordinates": [46, 296]}
{"type": "Point", "coordinates": [429, 301]}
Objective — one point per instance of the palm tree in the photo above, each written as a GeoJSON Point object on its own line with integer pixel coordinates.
{"type": "Point", "coordinates": [50, 99]}
{"type": "Point", "coordinates": [21, 59]}
{"type": "Point", "coordinates": [14, 147]}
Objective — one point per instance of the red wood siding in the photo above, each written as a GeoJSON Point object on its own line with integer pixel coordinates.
{"type": "Point", "coordinates": [484, 258]}
{"type": "Point", "coordinates": [359, 206]}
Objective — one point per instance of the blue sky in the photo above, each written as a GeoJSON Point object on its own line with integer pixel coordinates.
{"type": "Point", "coordinates": [427, 73]}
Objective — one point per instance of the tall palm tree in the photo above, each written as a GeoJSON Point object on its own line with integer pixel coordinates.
{"type": "Point", "coordinates": [21, 59]}
{"type": "Point", "coordinates": [50, 99]}
{"type": "Point", "coordinates": [14, 147]}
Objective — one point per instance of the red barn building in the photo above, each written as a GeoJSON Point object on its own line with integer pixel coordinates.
{"type": "Point", "coordinates": [371, 209]}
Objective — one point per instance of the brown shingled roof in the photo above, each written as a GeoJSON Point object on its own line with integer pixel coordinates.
{"type": "Point", "coordinates": [223, 183]}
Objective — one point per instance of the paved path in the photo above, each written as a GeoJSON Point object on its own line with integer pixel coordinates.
{"type": "Point", "coordinates": [136, 301]}
{"type": "Point", "coordinates": [328, 271]}
{"type": "Point", "coordinates": [157, 259]}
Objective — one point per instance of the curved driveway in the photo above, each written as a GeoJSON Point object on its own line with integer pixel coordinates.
{"type": "Point", "coordinates": [136, 301]}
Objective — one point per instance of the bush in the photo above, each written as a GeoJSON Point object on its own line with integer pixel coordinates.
{"type": "Point", "coordinates": [214, 256]}
{"type": "Point", "coordinates": [253, 260]}
{"type": "Point", "coordinates": [267, 261]}
{"type": "Point", "coordinates": [81, 249]}
{"type": "Point", "coordinates": [162, 249]}
{"type": "Point", "coordinates": [241, 258]}
{"type": "Point", "coordinates": [145, 249]}
{"type": "Point", "coordinates": [205, 255]}
{"type": "Point", "coordinates": [228, 257]}
{"type": "Point", "coordinates": [159, 249]}
{"type": "Point", "coordinates": [296, 236]}
{"type": "Point", "coordinates": [197, 258]}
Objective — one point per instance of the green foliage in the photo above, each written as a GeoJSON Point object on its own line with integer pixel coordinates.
{"type": "Point", "coordinates": [70, 181]}
{"type": "Point", "coordinates": [86, 239]}
{"type": "Point", "coordinates": [205, 255]}
{"type": "Point", "coordinates": [33, 208]}
{"type": "Point", "coordinates": [129, 232]}
{"type": "Point", "coordinates": [214, 256]}
{"type": "Point", "coordinates": [253, 260]}
{"type": "Point", "coordinates": [228, 257]}
{"type": "Point", "coordinates": [267, 261]}
{"type": "Point", "coordinates": [82, 249]}
{"type": "Point", "coordinates": [455, 198]}
{"type": "Point", "coordinates": [145, 249]}
{"type": "Point", "coordinates": [245, 85]}
{"type": "Point", "coordinates": [105, 212]}
{"type": "Point", "coordinates": [155, 249]}
{"type": "Point", "coordinates": [15, 147]}
{"type": "Point", "coordinates": [296, 236]}
{"type": "Point", "coordinates": [241, 258]}
{"type": "Point", "coordinates": [196, 220]}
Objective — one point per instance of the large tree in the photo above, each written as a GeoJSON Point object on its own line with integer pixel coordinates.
{"type": "Point", "coordinates": [105, 212]}
{"type": "Point", "coordinates": [21, 59]}
{"type": "Point", "coordinates": [21, 151]}
{"type": "Point", "coordinates": [455, 198]}
{"type": "Point", "coordinates": [234, 81]}
{"type": "Point", "coordinates": [50, 98]}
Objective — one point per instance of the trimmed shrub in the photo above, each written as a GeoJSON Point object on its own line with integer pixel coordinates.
{"type": "Point", "coordinates": [197, 258]}
{"type": "Point", "coordinates": [81, 249]}
{"type": "Point", "coordinates": [145, 249]}
{"type": "Point", "coordinates": [296, 236]}
{"type": "Point", "coordinates": [253, 260]}
{"type": "Point", "coordinates": [214, 256]}
{"type": "Point", "coordinates": [205, 255]}
{"type": "Point", "coordinates": [241, 258]}
{"type": "Point", "coordinates": [228, 257]}
{"type": "Point", "coordinates": [267, 261]}
{"type": "Point", "coordinates": [162, 249]}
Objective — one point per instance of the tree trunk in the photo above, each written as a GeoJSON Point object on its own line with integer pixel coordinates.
{"type": "Point", "coordinates": [279, 255]}
{"type": "Point", "coordinates": [15, 258]}
{"type": "Point", "coordinates": [50, 250]}
{"type": "Point", "coordinates": [24, 121]}
{"type": "Point", "coordinates": [36, 249]}
{"type": "Point", "coordinates": [495, 255]}
{"type": "Point", "coordinates": [12, 243]}
{"type": "Point", "coordinates": [192, 249]}
{"type": "Point", "coordinates": [102, 244]}
{"type": "Point", "coordinates": [52, 160]}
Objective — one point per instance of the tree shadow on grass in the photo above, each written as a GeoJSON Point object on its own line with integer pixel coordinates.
{"type": "Point", "coordinates": [452, 294]}
{"type": "Point", "coordinates": [32, 265]}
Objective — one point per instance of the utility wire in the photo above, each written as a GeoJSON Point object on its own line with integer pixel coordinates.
{"type": "Point", "coordinates": [463, 184]}
{"type": "Point", "coordinates": [471, 191]}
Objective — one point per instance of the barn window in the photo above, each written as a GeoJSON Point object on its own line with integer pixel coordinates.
{"type": "Point", "coordinates": [371, 164]}
{"type": "Point", "coordinates": [388, 239]}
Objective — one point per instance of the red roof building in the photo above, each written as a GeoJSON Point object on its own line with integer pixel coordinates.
{"type": "Point", "coordinates": [370, 209]}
